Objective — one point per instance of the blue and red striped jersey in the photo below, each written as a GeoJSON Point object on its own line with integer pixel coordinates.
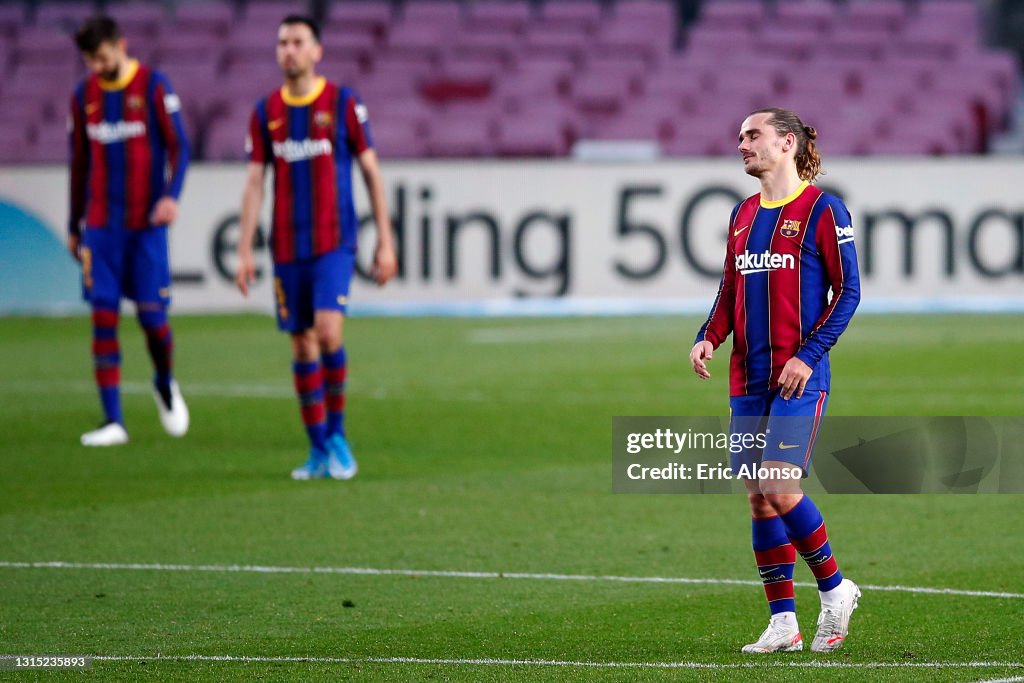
{"type": "Point", "coordinates": [128, 148]}
{"type": "Point", "coordinates": [311, 142]}
{"type": "Point", "coordinates": [790, 287]}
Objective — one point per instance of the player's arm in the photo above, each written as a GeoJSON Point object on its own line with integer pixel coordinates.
{"type": "Point", "coordinates": [252, 200]}
{"type": "Point", "coordinates": [719, 325]}
{"type": "Point", "coordinates": [384, 262]}
{"type": "Point", "coordinates": [79, 170]}
{"type": "Point", "coordinates": [172, 130]}
{"type": "Point", "coordinates": [257, 146]}
{"type": "Point", "coordinates": [360, 142]}
{"type": "Point", "coordinates": [834, 240]}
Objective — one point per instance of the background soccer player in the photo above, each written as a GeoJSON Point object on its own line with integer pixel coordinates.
{"type": "Point", "coordinates": [310, 130]}
{"type": "Point", "coordinates": [128, 160]}
{"type": "Point", "coordinates": [788, 246]}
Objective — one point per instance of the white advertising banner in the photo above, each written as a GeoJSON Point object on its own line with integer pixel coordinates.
{"type": "Point", "coordinates": [563, 236]}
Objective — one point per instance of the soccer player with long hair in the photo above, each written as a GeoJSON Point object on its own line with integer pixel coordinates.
{"type": "Point", "coordinates": [789, 289]}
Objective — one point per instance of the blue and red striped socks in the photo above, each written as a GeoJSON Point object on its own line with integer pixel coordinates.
{"type": "Point", "coordinates": [334, 382]}
{"type": "Point", "coordinates": [806, 530]}
{"type": "Point", "coordinates": [775, 558]}
{"type": "Point", "coordinates": [309, 385]}
{"type": "Point", "coordinates": [106, 354]}
{"type": "Point", "coordinates": [160, 343]}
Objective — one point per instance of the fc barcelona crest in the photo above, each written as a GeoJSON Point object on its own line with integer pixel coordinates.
{"type": "Point", "coordinates": [135, 102]}
{"type": "Point", "coordinates": [323, 119]}
{"type": "Point", "coordinates": [790, 228]}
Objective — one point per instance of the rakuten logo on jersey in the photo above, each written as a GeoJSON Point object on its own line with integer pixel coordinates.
{"type": "Point", "coordinates": [302, 150]}
{"type": "Point", "coordinates": [747, 263]}
{"type": "Point", "coordinates": [107, 133]}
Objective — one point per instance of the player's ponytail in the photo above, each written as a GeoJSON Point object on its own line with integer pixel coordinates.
{"type": "Point", "coordinates": [808, 159]}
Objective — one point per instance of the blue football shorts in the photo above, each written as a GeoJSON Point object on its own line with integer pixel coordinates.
{"type": "Point", "coordinates": [790, 427]}
{"type": "Point", "coordinates": [117, 262]}
{"type": "Point", "coordinates": [319, 284]}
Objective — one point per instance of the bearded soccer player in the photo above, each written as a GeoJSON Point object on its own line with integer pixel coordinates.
{"type": "Point", "coordinates": [128, 159]}
{"type": "Point", "coordinates": [789, 289]}
{"type": "Point", "coordinates": [311, 130]}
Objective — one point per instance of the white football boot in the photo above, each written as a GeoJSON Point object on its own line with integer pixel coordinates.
{"type": "Point", "coordinates": [174, 418]}
{"type": "Point", "coordinates": [110, 434]}
{"type": "Point", "coordinates": [782, 635]}
{"type": "Point", "coordinates": [834, 620]}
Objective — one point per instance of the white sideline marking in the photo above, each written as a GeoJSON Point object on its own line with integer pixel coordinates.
{"type": "Point", "coordinates": [372, 571]}
{"type": "Point", "coordinates": [1015, 679]}
{"type": "Point", "coordinates": [765, 664]}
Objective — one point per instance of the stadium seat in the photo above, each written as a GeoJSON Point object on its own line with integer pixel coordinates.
{"type": "Point", "coordinates": [358, 16]}
{"type": "Point", "coordinates": [14, 149]}
{"type": "Point", "coordinates": [813, 15]}
{"type": "Point", "coordinates": [741, 16]}
{"type": "Point", "coordinates": [465, 137]}
{"type": "Point", "coordinates": [630, 37]}
{"type": "Point", "coordinates": [270, 12]}
{"type": "Point", "coordinates": [644, 120]}
{"type": "Point", "coordinates": [703, 136]}
{"type": "Point", "coordinates": [225, 139]}
{"type": "Point", "coordinates": [46, 46]}
{"type": "Point", "coordinates": [494, 16]}
{"type": "Point", "coordinates": [134, 18]}
{"type": "Point", "coordinates": [12, 19]}
{"type": "Point", "coordinates": [544, 40]}
{"type": "Point", "coordinates": [442, 15]}
{"type": "Point", "coordinates": [398, 139]}
{"type": "Point", "coordinates": [882, 16]}
{"type": "Point", "coordinates": [530, 138]}
{"type": "Point", "coordinates": [211, 19]}
{"type": "Point", "coordinates": [65, 16]}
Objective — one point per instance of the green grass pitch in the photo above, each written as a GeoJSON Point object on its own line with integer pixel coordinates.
{"type": "Point", "coordinates": [484, 446]}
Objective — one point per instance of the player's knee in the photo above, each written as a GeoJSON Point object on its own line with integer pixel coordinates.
{"type": "Point", "coordinates": [152, 318]}
{"type": "Point", "coordinates": [328, 334]}
{"type": "Point", "coordinates": [759, 505]}
{"type": "Point", "coordinates": [782, 501]}
{"type": "Point", "coordinates": [305, 347]}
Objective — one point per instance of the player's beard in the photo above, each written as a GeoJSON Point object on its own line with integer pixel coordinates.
{"type": "Point", "coordinates": [114, 72]}
{"type": "Point", "coordinates": [293, 72]}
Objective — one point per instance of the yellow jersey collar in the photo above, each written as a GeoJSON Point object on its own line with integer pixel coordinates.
{"type": "Point", "coordinates": [307, 99]}
{"type": "Point", "coordinates": [130, 69]}
{"type": "Point", "coordinates": [765, 204]}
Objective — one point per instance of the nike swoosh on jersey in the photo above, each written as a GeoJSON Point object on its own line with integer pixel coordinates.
{"type": "Point", "coordinates": [739, 231]}
{"type": "Point", "coordinates": [786, 446]}
{"type": "Point", "coordinates": [274, 125]}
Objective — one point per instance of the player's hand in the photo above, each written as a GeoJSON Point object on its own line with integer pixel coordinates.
{"type": "Point", "coordinates": [165, 212]}
{"type": "Point", "coordinates": [385, 265]}
{"type": "Point", "coordinates": [246, 272]}
{"type": "Point", "coordinates": [75, 247]}
{"type": "Point", "coordinates": [701, 352]}
{"type": "Point", "coordinates": [794, 378]}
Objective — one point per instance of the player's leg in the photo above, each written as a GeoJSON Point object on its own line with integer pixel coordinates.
{"type": "Point", "coordinates": [331, 287]}
{"type": "Point", "coordinates": [794, 426]}
{"type": "Point", "coordinates": [293, 292]}
{"type": "Point", "coordinates": [773, 553]}
{"type": "Point", "coordinates": [102, 252]}
{"type": "Point", "coordinates": [149, 284]}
